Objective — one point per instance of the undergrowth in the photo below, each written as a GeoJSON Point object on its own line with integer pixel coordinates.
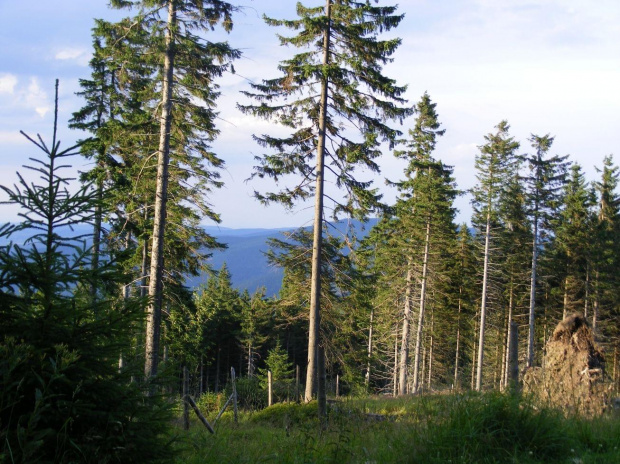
{"type": "Point", "coordinates": [464, 428]}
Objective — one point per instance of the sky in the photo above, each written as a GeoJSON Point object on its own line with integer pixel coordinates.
{"type": "Point", "coordinates": [546, 66]}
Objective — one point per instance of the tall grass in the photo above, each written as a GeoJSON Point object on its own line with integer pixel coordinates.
{"type": "Point", "coordinates": [469, 428]}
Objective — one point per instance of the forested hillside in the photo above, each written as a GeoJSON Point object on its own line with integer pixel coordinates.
{"type": "Point", "coordinates": [111, 286]}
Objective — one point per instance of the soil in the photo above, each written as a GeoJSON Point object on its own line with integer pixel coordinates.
{"type": "Point", "coordinates": [573, 374]}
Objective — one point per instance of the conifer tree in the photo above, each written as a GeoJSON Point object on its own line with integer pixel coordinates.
{"type": "Point", "coordinates": [62, 397]}
{"type": "Point", "coordinates": [337, 79]}
{"type": "Point", "coordinates": [543, 192]}
{"type": "Point", "coordinates": [572, 242]}
{"type": "Point", "coordinates": [463, 276]}
{"type": "Point", "coordinates": [606, 252]}
{"type": "Point", "coordinates": [495, 164]}
{"type": "Point", "coordinates": [425, 214]}
{"type": "Point", "coordinates": [188, 65]}
{"type": "Point", "coordinates": [254, 319]}
{"type": "Point", "coordinates": [513, 243]}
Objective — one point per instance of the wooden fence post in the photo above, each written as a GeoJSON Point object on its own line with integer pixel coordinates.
{"type": "Point", "coordinates": [234, 392]}
{"type": "Point", "coordinates": [337, 385]}
{"type": "Point", "coordinates": [269, 389]}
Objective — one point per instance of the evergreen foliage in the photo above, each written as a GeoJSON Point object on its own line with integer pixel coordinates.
{"type": "Point", "coordinates": [342, 58]}
{"type": "Point", "coordinates": [63, 398]}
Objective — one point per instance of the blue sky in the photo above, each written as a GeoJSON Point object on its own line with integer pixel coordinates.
{"type": "Point", "coordinates": [547, 66]}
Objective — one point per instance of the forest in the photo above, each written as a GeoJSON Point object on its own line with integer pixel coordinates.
{"type": "Point", "coordinates": [101, 339]}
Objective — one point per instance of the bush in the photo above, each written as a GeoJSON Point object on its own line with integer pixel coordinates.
{"type": "Point", "coordinates": [250, 395]}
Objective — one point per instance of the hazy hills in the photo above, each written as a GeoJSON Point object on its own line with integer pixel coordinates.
{"type": "Point", "coordinates": [244, 257]}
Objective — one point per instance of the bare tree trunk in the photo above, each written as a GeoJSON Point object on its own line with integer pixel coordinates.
{"type": "Point", "coordinates": [508, 340]}
{"type": "Point", "coordinates": [315, 292]}
{"type": "Point", "coordinates": [250, 363]}
{"type": "Point", "coordinates": [395, 373]}
{"type": "Point", "coordinates": [418, 342]}
{"type": "Point", "coordinates": [530, 336]}
{"type": "Point", "coordinates": [404, 344]}
{"type": "Point", "coordinates": [97, 233]}
{"type": "Point", "coordinates": [153, 322]}
{"type": "Point", "coordinates": [595, 305]}
{"type": "Point", "coordinates": [367, 377]}
{"type": "Point", "coordinates": [483, 304]}
{"type": "Point", "coordinates": [458, 344]}
{"type": "Point", "coordinates": [126, 293]}
{"type": "Point", "coordinates": [143, 270]}
{"type": "Point", "coordinates": [430, 353]}
{"type": "Point", "coordinates": [587, 295]}
{"type": "Point", "coordinates": [473, 356]}
{"type": "Point", "coordinates": [565, 300]}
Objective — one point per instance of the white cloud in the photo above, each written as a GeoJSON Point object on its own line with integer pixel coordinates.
{"type": "Point", "coordinates": [7, 83]}
{"type": "Point", "coordinates": [80, 55]}
{"type": "Point", "coordinates": [37, 98]}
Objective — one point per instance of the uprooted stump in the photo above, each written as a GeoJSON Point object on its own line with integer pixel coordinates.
{"type": "Point", "coordinates": [573, 374]}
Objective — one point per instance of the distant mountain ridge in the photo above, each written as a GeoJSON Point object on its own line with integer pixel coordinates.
{"type": "Point", "coordinates": [245, 256]}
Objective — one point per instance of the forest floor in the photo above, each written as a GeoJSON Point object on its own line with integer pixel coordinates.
{"type": "Point", "coordinates": [463, 428]}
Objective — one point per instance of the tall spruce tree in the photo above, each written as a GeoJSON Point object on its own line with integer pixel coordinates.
{"type": "Point", "coordinates": [425, 207]}
{"type": "Point", "coordinates": [543, 194]}
{"type": "Point", "coordinates": [495, 164]}
{"type": "Point", "coordinates": [513, 243]}
{"type": "Point", "coordinates": [186, 66]}
{"type": "Point", "coordinates": [572, 242]}
{"type": "Point", "coordinates": [335, 82]}
{"type": "Point", "coordinates": [606, 252]}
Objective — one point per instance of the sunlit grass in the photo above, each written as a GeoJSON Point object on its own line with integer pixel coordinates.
{"type": "Point", "coordinates": [469, 428]}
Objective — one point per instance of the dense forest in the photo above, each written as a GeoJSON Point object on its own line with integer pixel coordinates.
{"type": "Point", "coordinates": [98, 326]}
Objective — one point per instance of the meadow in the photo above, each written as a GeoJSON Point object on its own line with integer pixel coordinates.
{"type": "Point", "coordinates": [455, 428]}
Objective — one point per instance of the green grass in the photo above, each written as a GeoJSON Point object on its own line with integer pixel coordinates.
{"type": "Point", "coordinates": [469, 428]}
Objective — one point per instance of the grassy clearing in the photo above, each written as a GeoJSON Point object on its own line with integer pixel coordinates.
{"type": "Point", "coordinates": [467, 428]}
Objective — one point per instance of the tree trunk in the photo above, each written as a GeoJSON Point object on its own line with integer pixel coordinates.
{"type": "Point", "coordinates": [143, 270]}
{"type": "Point", "coordinates": [153, 322]}
{"type": "Point", "coordinates": [369, 356]}
{"type": "Point", "coordinates": [97, 232]}
{"type": "Point", "coordinates": [595, 305]}
{"type": "Point", "coordinates": [395, 373]}
{"type": "Point", "coordinates": [430, 353]}
{"type": "Point", "coordinates": [250, 363]}
{"type": "Point", "coordinates": [483, 303]}
{"type": "Point", "coordinates": [473, 356]}
{"type": "Point", "coordinates": [418, 342]}
{"type": "Point", "coordinates": [315, 292]}
{"type": "Point", "coordinates": [458, 344]}
{"type": "Point", "coordinates": [404, 344]}
{"type": "Point", "coordinates": [587, 295]}
{"type": "Point", "coordinates": [530, 335]}
{"type": "Point", "coordinates": [506, 375]}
